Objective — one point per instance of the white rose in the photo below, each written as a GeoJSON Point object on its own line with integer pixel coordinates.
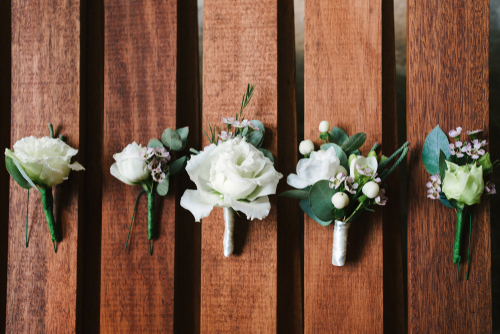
{"type": "Point", "coordinates": [45, 160]}
{"type": "Point", "coordinates": [320, 166]}
{"type": "Point", "coordinates": [371, 189]}
{"type": "Point", "coordinates": [324, 126]}
{"type": "Point", "coordinates": [369, 162]}
{"type": "Point", "coordinates": [306, 147]}
{"type": "Point", "coordinates": [233, 174]}
{"type": "Point", "coordinates": [130, 167]}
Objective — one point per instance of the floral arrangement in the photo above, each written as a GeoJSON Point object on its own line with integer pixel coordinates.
{"type": "Point", "coordinates": [42, 163]}
{"type": "Point", "coordinates": [151, 167]}
{"type": "Point", "coordinates": [337, 183]}
{"type": "Point", "coordinates": [234, 172]}
{"type": "Point", "coordinates": [457, 176]}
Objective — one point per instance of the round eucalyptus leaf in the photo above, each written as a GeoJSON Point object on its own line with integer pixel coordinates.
{"type": "Point", "coordinates": [171, 139]}
{"type": "Point", "coordinates": [320, 197]}
{"type": "Point", "coordinates": [162, 188]}
{"type": "Point", "coordinates": [154, 143]}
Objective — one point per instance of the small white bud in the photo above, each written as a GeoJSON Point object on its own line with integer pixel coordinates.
{"type": "Point", "coordinates": [324, 126]}
{"type": "Point", "coordinates": [371, 189]}
{"type": "Point", "coordinates": [340, 200]}
{"type": "Point", "coordinates": [306, 147]}
{"type": "Point", "coordinates": [341, 169]}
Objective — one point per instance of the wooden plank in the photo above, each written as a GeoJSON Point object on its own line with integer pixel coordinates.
{"type": "Point", "coordinates": [447, 85]}
{"type": "Point", "coordinates": [137, 290]}
{"type": "Point", "coordinates": [239, 294]}
{"type": "Point", "coordinates": [5, 49]}
{"type": "Point", "coordinates": [343, 84]}
{"type": "Point", "coordinates": [41, 293]}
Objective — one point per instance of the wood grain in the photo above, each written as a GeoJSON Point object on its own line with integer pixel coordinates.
{"type": "Point", "coordinates": [240, 44]}
{"type": "Point", "coordinates": [41, 294]}
{"type": "Point", "coordinates": [137, 290]}
{"type": "Point", "coordinates": [447, 85]}
{"type": "Point", "coordinates": [344, 84]}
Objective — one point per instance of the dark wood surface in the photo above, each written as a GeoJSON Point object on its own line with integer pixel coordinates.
{"type": "Point", "coordinates": [41, 293]}
{"type": "Point", "coordinates": [137, 290]}
{"type": "Point", "coordinates": [343, 84]}
{"type": "Point", "coordinates": [447, 85]}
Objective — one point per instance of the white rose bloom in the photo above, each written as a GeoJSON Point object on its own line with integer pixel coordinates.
{"type": "Point", "coordinates": [320, 166]}
{"type": "Point", "coordinates": [45, 160]}
{"type": "Point", "coordinates": [233, 174]}
{"type": "Point", "coordinates": [130, 167]}
{"type": "Point", "coordinates": [370, 162]}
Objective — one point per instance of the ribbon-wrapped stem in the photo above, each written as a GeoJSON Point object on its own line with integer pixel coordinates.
{"type": "Point", "coordinates": [151, 218]}
{"type": "Point", "coordinates": [340, 243]}
{"type": "Point", "coordinates": [458, 238]}
{"type": "Point", "coordinates": [48, 207]}
{"type": "Point", "coordinates": [228, 231]}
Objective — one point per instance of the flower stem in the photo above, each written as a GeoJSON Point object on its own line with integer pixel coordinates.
{"type": "Point", "coordinates": [133, 215]}
{"type": "Point", "coordinates": [48, 207]}
{"type": "Point", "coordinates": [339, 250]}
{"type": "Point", "coordinates": [458, 238]}
{"type": "Point", "coordinates": [27, 206]}
{"type": "Point", "coordinates": [228, 231]}
{"type": "Point", "coordinates": [151, 213]}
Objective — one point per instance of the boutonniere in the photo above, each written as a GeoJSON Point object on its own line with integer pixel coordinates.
{"type": "Point", "coordinates": [41, 163]}
{"type": "Point", "coordinates": [151, 167]}
{"type": "Point", "coordinates": [234, 172]}
{"type": "Point", "coordinates": [337, 183]}
{"type": "Point", "coordinates": [457, 176]}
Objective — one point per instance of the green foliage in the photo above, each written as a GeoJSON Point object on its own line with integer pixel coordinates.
{"type": "Point", "coordinates": [354, 142]}
{"type": "Point", "coordinates": [155, 143]}
{"type": "Point", "coordinates": [306, 207]}
{"type": "Point", "coordinates": [17, 175]}
{"type": "Point", "coordinates": [435, 142]}
{"type": "Point", "coordinates": [442, 164]}
{"type": "Point", "coordinates": [183, 133]}
{"type": "Point", "coordinates": [320, 197]}
{"type": "Point", "coordinates": [338, 136]}
{"type": "Point", "coordinates": [171, 139]}
{"type": "Point", "coordinates": [162, 188]}
{"type": "Point", "coordinates": [296, 193]}
{"type": "Point", "coordinates": [340, 154]}
{"type": "Point", "coordinates": [247, 96]}
{"type": "Point", "coordinates": [177, 166]}
{"type": "Point", "coordinates": [256, 138]}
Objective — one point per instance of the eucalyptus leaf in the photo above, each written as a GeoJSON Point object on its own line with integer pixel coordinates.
{"type": "Point", "coordinates": [171, 139]}
{"type": "Point", "coordinates": [339, 152]}
{"type": "Point", "coordinates": [177, 166]}
{"type": "Point", "coordinates": [442, 164]}
{"type": "Point", "coordinates": [306, 207]}
{"type": "Point", "coordinates": [320, 197]}
{"type": "Point", "coordinates": [357, 152]}
{"type": "Point", "coordinates": [296, 193]}
{"type": "Point", "coordinates": [267, 154]}
{"type": "Point", "coordinates": [162, 188]}
{"type": "Point", "coordinates": [338, 136]}
{"type": "Point", "coordinates": [256, 138]}
{"type": "Point", "coordinates": [354, 142]}
{"type": "Point", "coordinates": [452, 204]}
{"type": "Point", "coordinates": [155, 143]}
{"type": "Point", "coordinates": [435, 142]}
{"type": "Point", "coordinates": [183, 133]}
{"type": "Point", "coordinates": [16, 174]}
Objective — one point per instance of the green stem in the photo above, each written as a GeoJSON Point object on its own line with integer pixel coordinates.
{"type": "Point", "coordinates": [48, 207]}
{"type": "Point", "coordinates": [27, 211]}
{"type": "Point", "coordinates": [151, 215]}
{"type": "Point", "coordinates": [133, 215]}
{"type": "Point", "coordinates": [458, 238]}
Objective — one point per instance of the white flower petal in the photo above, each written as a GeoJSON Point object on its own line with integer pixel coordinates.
{"type": "Point", "coordinates": [116, 173]}
{"type": "Point", "coordinates": [198, 168]}
{"type": "Point", "coordinates": [200, 203]}
{"type": "Point", "coordinates": [256, 209]}
{"type": "Point", "coordinates": [297, 182]}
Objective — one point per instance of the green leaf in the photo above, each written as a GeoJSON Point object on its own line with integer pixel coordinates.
{"type": "Point", "coordinates": [183, 133]}
{"type": "Point", "coordinates": [162, 188]}
{"type": "Point", "coordinates": [436, 140]}
{"type": "Point", "coordinates": [296, 193]}
{"type": "Point", "coordinates": [16, 174]}
{"type": "Point", "coordinates": [338, 136]}
{"type": "Point", "coordinates": [256, 138]}
{"type": "Point", "coordinates": [320, 197]}
{"type": "Point", "coordinates": [171, 139]}
{"type": "Point", "coordinates": [323, 135]}
{"type": "Point", "coordinates": [442, 164]}
{"type": "Point", "coordinates": [354, 142]}
{"type": "Point", "coordinates": [306, 207]}
{"type": "Point", "coordinates": [267, 154]}
{"type": "Point", "coordinates": [453, 204]}
{"type": "Point", "coordinates": [155, 143]}
{"type": "Point", "coordinates": [339, 213]}
{"type": "Point", "coordinates": [177, 166]}
{"type": "Point", "coordinates": [340, 154]}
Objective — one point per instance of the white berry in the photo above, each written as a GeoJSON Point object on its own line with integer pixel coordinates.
{"type": "Point", "coordinates": [306, 147]}
{"type": "Point", "coordinates": [340, 200]}
{"type": "Point", "coordinates": [324, 126]}
{"type": "Point", "coordinates": [371, 189]}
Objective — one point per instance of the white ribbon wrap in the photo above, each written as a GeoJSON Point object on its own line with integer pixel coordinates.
{"type": "Point", "coordinates": [339, 243]}
{"type": "Point", "coordinates": [228, 231]}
